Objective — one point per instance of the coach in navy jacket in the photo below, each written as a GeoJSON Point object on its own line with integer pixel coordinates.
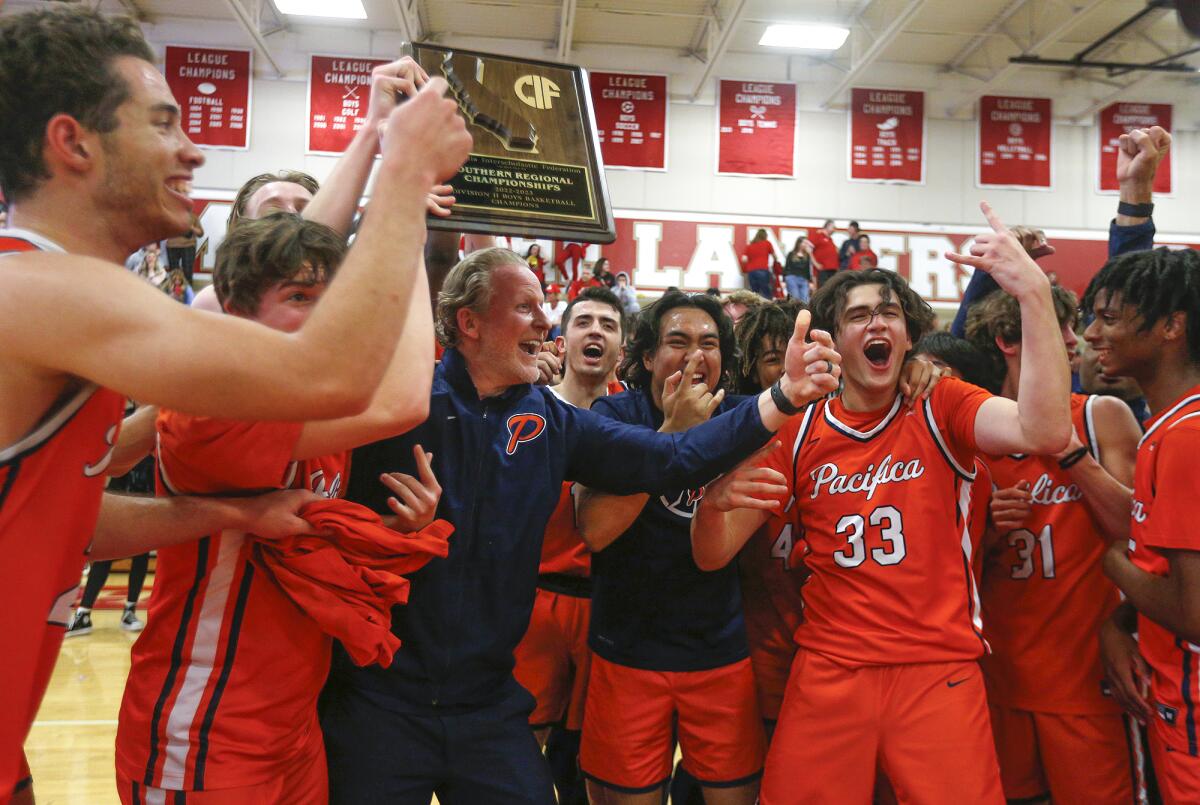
{"type": "Point", "coordinates": [447, 717]}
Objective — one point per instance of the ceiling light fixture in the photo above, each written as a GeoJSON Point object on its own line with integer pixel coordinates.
{"type": "Point", "coordinates": [343, 9]}
{"type": "Point", "coordinates": [804, 37]}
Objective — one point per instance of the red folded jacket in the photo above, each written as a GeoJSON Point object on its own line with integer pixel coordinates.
{"type": "Point", "coordinates": [348, 577]}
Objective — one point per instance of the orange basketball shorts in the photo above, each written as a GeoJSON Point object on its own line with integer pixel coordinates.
{"type": "Point", "coordinates": [925, 726]}
{"type": "Point", "coordinates": [553, 659]}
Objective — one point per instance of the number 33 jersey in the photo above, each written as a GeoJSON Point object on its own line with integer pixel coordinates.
{"type": "Point", "coordinates": [1044, 591]}
{"type": "Point", "coordinates": [882, 501]}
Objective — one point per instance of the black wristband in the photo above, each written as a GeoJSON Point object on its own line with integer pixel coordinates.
{"type": "Point", "coordinates": [1135, 210]}
{"type": "Point", "coordinates": [1072, 458]}
{"type": "Point", "coordinates": [781, 401]}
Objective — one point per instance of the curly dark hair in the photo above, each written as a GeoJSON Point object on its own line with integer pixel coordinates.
{"type": "Point", "coordinates": [1155, 284]}
{"type": "Point", "coordinates": [829, 302]}
{"type": "Point", "coordinates": [258, 254]}
{"type": "Point", "coordinates": [645, 334]}
{"type": "Point", "coordinates": [58, 61]}
{"type": "Point", "coordinates": [774, 322]}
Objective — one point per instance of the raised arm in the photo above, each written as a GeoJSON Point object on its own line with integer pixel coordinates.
{"type": "Point", "coordinates": [1039, 422]}
{"type": "Point", "coordinates": [1138, 155]}
{"type": "Point", "coordinates": [223, 365]}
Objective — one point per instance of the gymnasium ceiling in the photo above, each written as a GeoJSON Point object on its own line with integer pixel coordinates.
{"type": "Point", "coordinates": [955, 50]}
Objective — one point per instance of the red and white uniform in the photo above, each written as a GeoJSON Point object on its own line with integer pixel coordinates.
{"type": "Point", "coordinates": [886, 673]}
{"type": "Point", "coordinates": [553, 660]}
{"type": "Point", "coordinates": [224, 680]}
{"type": "Point", "coordinates": [1044, 596]}
{"type": "Point", "coordinates": [1166, 488]}
{"type": "Point", "coordinates": [51, 480]}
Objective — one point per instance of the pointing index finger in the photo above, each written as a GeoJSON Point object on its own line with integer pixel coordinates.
{"type": "Point", "coordinates": [993, 218]}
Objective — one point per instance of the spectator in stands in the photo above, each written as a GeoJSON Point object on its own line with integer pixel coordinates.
{"type": "Point", "coordinates": [863, 253]}
{"type": "Point", "coordinates": [738, 302]}
{"type": "Point", "coordinates": [537, 263]}
{"type": "Point", "coordinates": [797, 270]}
{"type": "Point", "coordinates": [554, 307]}
{"type": "Point", "coordinates": [602, 273]}
{"type": "Point", "coordinates": [849, 245]}
{"type": "Point", "coordinates": [627, 294]}
{"type": "Point", "coordinates": [824, 253]}
{"type": "Point", "coordinates": [181, 251]}
{"type": "Point", "coordinates": [757, 260]}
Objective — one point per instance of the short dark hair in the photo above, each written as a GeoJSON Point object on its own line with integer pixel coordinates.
{"type": "Point", "coordinates": [58, 61]}
{"type": "Point", "coordinates": [775, 321]}
{"type": "Point", "coordinates": [829, 302]}
{"type": "Point", "coordinates": [594, 294]}
{"type": "Point", "coordinates": [1156, 284]}
{"type": "Point", "coordinates": [238, 212]}
{"type": "Point", "coordinates": [258, 254]}
{"type": "Point", "coordinates": [962, 356]}
{"type": "Point", "coordinates": [643, 340]}
{"type": "Point", "coordinates": [853, 224]}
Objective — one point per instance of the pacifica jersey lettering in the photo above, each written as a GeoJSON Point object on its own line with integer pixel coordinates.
{"type": "Point", "coordinates": [888, 472]}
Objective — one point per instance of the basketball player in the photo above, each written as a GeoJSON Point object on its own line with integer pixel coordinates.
{"type": "Point", "coordinates": [1147, 312]}
{"type": "Point", "coordinates": [886, 672]}
{"type": "Point", "coordinates": [93, 163]}
{"type": "Point", "coordinates": [221, 695]}
{"type": "Point", "coordinates": [1043, 589]}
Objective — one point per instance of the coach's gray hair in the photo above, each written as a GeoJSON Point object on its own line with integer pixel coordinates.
{"type": "Point", "coordinates": [469, 285]}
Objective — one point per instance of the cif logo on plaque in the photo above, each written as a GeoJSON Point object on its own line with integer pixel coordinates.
{"type": "Point", "coordinates": [536, 91]}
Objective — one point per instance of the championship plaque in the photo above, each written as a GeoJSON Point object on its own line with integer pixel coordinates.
{"type": "Point", "coordinates": [535, 169]}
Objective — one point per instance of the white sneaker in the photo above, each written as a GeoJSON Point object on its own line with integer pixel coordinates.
{"type": "Point", "coordinates": [130, 621]}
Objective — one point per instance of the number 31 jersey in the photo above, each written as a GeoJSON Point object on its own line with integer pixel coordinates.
{"type": "Point", "coordinates": [882, 501]}
{"type": "Point", "coordinates": [1044, 591]}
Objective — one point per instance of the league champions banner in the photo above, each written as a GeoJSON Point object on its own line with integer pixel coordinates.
{"type": "Point", "coordinates": [756, 129]}
{"type": "Point", "coordinates": [631, 119]}
{"type": "Point", "coordinates": [1118, 119]}
{"type": "Point", "coordinates": [1014, 143]}
{"type": "Point", "coordinates": [212, 87]}
{"type": "Point", "coordinates": [887, 136]}
{"type": "Point", "coordinates": [339, 91]}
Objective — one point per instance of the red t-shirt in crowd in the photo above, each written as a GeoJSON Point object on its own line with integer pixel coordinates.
{"type": "Point", "coordinates": [824, 252]}
{"type": "Point", "coordinates": [857, 258]}
{"type": "Point", "coordinates": [757, 256]}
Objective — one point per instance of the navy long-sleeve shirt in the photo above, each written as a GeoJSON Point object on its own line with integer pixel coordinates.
{"type": "Point", "coordinates": [501, 462]}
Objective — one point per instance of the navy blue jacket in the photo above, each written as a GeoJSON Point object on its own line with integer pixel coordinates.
{"type": "Point", "coordinates": [501, 462]}
{"type": "Point", "coordinates": [652, 607]}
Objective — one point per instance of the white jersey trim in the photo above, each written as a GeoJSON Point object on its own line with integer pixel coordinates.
{"type": "Point", "coordinates": [1181, 404]}
{"type": "Point", "coordinates": [931, 421]}
{"type": "Point", "coordinates": [863, 436]}
{"type": "Point", "coordinates": [50, 424]}
{"type": "Point", "coordinates": [1089, 423]}
{"type": "Point", "coordinates": [43, 243]}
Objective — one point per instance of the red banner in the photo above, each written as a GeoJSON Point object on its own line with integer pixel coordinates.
{"type": "Point", "coordinates": [757, 128]}
{"type": "Point", "coordinates": [212, 88]}
{"type": "Point", "coordinates": [887, 135]}
{"type": "Point", "coordinates": [339, 90]}
{"type": "Point", "coordinates": [1014, 142]}
{"type": "Point", "coordinates": [631, 116]}
{"type": "Point", "coordinates": [1118, 119]}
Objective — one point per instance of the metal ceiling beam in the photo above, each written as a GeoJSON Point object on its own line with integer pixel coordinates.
{"type": "Point", "coordinates": [566, 30]}
{"type": "Point", "coordinates": [243, 16]}
{"type": "Point", "coordinates": [875, 50]}
{"type": "Point", "coordinates": [409, 17]}
{"type": "Point", "coordinates": [723, 39]}
{"type": "Point", "coordinates": [1050, 37]}
{"type": "Point", "coordinates": [980, 38]}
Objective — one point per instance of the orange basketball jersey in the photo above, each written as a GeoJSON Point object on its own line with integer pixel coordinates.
{"type": "Point", "coordinates": [224, 681]}
{"type": "Point", "coordinates": [563, 550]}
{"type": "Point", "coordinates": [51, 480]}
{"type": "Point", "coordinates": [1166, 488]}
{"type": "Point", "coordinates": [883, 502]}
{"type": "Point", "coordinates": [1044, 591]}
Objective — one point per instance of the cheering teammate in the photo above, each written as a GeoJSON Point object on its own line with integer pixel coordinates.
{"type": "Point", "coordinates": [886, 669]}
{"type": "Point", "coordinates": [1147, 326]}
{"type": "Point", "coordinates": [1043, 589]}
{"type": "Point", "coordinates": [94, 164]}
